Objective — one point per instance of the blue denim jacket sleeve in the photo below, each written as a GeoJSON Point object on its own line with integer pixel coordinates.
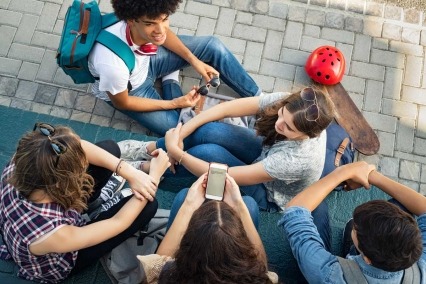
{"type": "Point", "coordinates": [421, 221]}
{"type": "Point", "coordinates": [316, 263]}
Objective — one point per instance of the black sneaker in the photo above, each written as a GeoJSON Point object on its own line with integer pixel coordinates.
{"type": "Point", "coordinates": [114, 184]}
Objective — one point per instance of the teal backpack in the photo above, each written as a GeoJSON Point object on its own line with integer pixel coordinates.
{"type": "Point", "coordinates": [84, 25]}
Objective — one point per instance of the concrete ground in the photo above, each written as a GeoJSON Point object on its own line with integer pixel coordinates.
{"type": "Point", "coordinates": [384, 45]}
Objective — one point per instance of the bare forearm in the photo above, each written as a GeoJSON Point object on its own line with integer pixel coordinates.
{"type": "Point", "coordinates": [196, 166]}
{"type": "Point", "coordinates": [412, 200]}
{"type": "Point", "coordinates": [144, 104]}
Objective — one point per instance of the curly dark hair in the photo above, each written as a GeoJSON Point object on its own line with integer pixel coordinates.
{"type": "Point", "coordinates": [266, 118]}
{"type": "Point", "coordinates": [66, 183]}
{"type": "Point", "coordinates": [216, 249]}
{"type": "Point", "coordinates": [152, 9]}
{"type": "Point", "coordinates": [387, 235]}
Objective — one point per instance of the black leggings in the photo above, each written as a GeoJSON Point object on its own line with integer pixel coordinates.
{"type": "Point", "coordinates": [90, 255]}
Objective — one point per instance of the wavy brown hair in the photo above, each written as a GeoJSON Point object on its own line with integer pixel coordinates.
{"type": "Point", "coordinates": [67, 184]}
{"type": "Point", "coordinates": [216, 249]}
{"type": "Point", "coordinates": [267, 117]}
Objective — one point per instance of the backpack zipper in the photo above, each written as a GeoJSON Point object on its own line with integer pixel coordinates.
{"type": "Point", "coordinates": [83, 29]}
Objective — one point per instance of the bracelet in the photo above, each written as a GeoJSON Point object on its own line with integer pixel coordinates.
{"type": "Point", "coordinates": [118, 167]}
{"type": "Point", "coordinates": [181, 157]}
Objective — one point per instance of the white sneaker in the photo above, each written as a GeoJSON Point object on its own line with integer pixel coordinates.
{"type": "Point", "coordinates": [135, 164]}
{"type": "Point", "coordinates": [134, 150]}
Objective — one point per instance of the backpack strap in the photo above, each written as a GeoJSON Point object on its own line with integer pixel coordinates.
{"type": "Point", "coordinates": [340, 151]}
{"type": "Point", "coordinates": [351, 271]}
{"type": "Point", "coordinates": [109, 20]}
{"type": "Point", "coordinates": [411, 275]}
{"type": "Point", "coordinates": [119, 47]}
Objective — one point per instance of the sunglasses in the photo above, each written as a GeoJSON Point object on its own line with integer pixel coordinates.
{"type": "Point", "coordinates": [204, 90]}
{"type": "Point", "coordinates": [48, 130]}
{"type": "Point", "coordinates": [312, 111]}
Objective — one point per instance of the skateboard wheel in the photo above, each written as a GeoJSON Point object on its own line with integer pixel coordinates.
{"type": "Point", "coordinates": [326, 65]}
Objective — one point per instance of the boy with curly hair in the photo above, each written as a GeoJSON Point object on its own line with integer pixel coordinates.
{"type": "Point", "coordinates": [144, 26]}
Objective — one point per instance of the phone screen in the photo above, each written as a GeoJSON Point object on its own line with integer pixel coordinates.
{"type": "Point", "coordinates": [216, 181]}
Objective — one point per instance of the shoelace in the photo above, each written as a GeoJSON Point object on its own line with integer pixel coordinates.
{"type": "Point", "coordinates": [108, 190]}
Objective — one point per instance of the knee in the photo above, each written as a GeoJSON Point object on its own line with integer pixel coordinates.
{"type": "Point", "coordinates": [110, 146]}
{"type": "Point", "coordinates": [216, 44]}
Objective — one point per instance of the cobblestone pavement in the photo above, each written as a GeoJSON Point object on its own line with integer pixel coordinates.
{"type": "Point", "coordinates": [384, 46]}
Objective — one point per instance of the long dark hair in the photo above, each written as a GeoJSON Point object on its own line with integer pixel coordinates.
{"type": "Point", "coordinates": [267, 117]}
{"type": "Point", "coordinates": [216, 249]}
{"type": "Point", "coordinates": [66, 183]}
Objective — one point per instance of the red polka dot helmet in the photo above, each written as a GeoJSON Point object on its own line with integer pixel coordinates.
{"type": "Point", "coordinates": [326, 65]}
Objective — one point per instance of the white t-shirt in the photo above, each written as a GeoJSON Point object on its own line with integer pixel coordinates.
{"type": "Point", "coordinates": [111, 69]}
{"type": "Point", "coordinates": [294, 165]}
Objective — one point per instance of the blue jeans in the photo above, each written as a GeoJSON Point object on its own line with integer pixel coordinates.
{"type": "Point", "coordinates": [208, 49]}
{"type": "Point", "coordinates": [180, 198]}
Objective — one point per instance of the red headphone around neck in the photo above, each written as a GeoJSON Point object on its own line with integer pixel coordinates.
{"type": "Point", "coordinates": [145, 49]}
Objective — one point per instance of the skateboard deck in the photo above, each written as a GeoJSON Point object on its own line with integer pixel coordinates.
{"type": "Point", "coordinates": [351, 119]}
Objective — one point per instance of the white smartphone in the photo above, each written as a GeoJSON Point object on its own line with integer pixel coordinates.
{"type": "Point", "coordinates": [216, 181]}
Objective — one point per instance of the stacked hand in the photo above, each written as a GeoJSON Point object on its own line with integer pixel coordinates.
{"type": "Point", "coordinates": [188, 100]}
{"type": "Point", "coordinates": [359, 173]}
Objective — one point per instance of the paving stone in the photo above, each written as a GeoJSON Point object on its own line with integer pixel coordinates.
{"type": "Point", "coordinates": [41, 108]}
{"type": "Point", "coordinates": [102, 108]}
{"type": "Point", "coordinates": [120, 124]}
{"type": "Point", "coordinates": [46, 94]}
{"type": "Point", "coordinates": [47, 40]}
{"type": "Point", "coordinates": [259, 6]}
{"type": "Point", "coordinates": [26, 6]}
{"type": "Point", "coordinates": [60, 112]}
{"type": "Point", "coordinates": [10, 18]}
{"type": "Point", "coordinates": [322, 3]}
{"type": "Point", "coordinates": [411, 184]}
{"type": "Point", "coordinates": [293, 35]}
{"type": "Point", "coordinates": [339, 35]}
{"type": "Point", "coordinates": [421, 122]}
{"type": "Point", "coordinates": [413, 71]}
{"type": "Point", "coordinates": [81, 116]}
{"type": "Point", "coordinates": [380, 121]}
{"type": "Point", "coordinates": [201, 9]}
{"type": "Point", "coordinates": [59, 25]}
{"type": "Point", "coordinates": [368, 71]}
{"type": "Point", "coordinates": [5, 101]}
{"type": "Point", "coordinates": [393, 83]}
{"type": "Point", "coordinates": [347, 50]}
{"type": "Point", "coordinates": [354, 24]}
{"type": "Point", "coordinates": [301, 1]}
{"type": "Point", "coordinates": [282, 85]}
{"type": "Point", "coordinates": [373, 96]}
{"type": "Point", "coordinates": [85, 102]}
{"type": "Point", "coordinates": [372, 28]}
{"type": "Point", "coordinates": [414, 95]}
{"type": "Point", "coordinates": [296, 14]}
{"type": "Point", "coordinates": [28, 71]}
{"type": "Point", "coordinates": [419, 146]}
{"type": "Point", "coordinates": [399, 108]}
{"type": "Point", "coordinates": [100, 120]}
{"type": "Point", "coordinates": [277, 69]}
{"type": "Point", "coordinates": [294, 56]}
{"type": "Point", "coordinates": [409, 170]}
{"type": "Point", "coordinates": [302, 79]}
{"type": "Point", "coordinates": [278, 9]}
{"type": "Point", "coordinates": [406, 48]}
{"type": "Point", "coordinates": [118, 115]}
{"type": "Point", "coordinates": [236, 46]}
{"type": "Point", "coordinates": [182, 31]}
{"type": "Point", "coordinates": [412, 16]}
{"type": "Point", "coordinates": [411, 157]}
{"type": "Point", "coordinates": [9, 66]}
{"type": "Point", "coordinates": [311, 43]}
{"type": "Point", "coordinates": [226, 16]}
{"type": "Point", "coordinates": [356, 6]}
{"type": "Point", "coordinates": [362, 48]}
{"type": "Point", "coordinates": [387, 58]}
{"type": "Point", "coordinates": [337, 4]}
{"type": "Point", "coordinates": [48, 17]}
{"type": "Point", "coordinates": [358, 99]}
{"type": "Point", "coordinates": [372, 160]}
{"type": "Point", "coordinates": [422, 189]}
{"type": "Point", "coordinates": [137, 128]}
{"type": "Point", "coordinates": [334, 20]}
{"type": "Point", "coordinates": [21, 104]}
{"type": "Point", "coordinates": [374, 9]}
{"type": "Point", "coordinates": [381, 43]}
{"type": "Point", "coordinates": [249, 33]}
{"type": "Point", "coordinates": [423, 38]}
{"type": "Point", "coordinates": [393, 12]}
{"type": "Point", "coordinates": [26, 90]}
{"type": "Point", "coordinates": [389, 166]}
{"type": "Point", "coordinates": [315, 17]}
{"type": "Point", "coordinates": [273, 44]}
{"type": "Point", "coordinates": [405, 135]}
{"type": "Point", "coordinates": [266, 83]}
{"type": "Point", "coordinates": [66, 98]}
{"type": "Point", "coordinates": [48, 67]}
{"type": "Point", "coordinates": [185, 21]}
{"type": "Point", "coordinates": [244, 18]}
{"type": "Point", "coordinates": [26, 29]}
{"type": "Point", "coordinates": [410, 35]}
{"type": "Point", "coordinates": [26, 52]}
{"type": "Point", "coordinates": [392, 31]}
{"type": "Point", "coordinates": [4, 4]}
{"type": "Point", "coordinates": [252, 56]}
{"type": "Point", "coordinates": [354, 84]}
{"type": "Point", "coordinates": [387, 143]}
{"type": "Point", "coordinates": [423, 175]}
{"type": "Point", "coordinates": [8, 86]}
{"type": "Point", "coordinates": [7, 34]}
{"type": "Point", "coordinates": [268, 22]}
{"type": "Point", "coordinates": [205, 27]}
{"type": "Point", "coordinates": [62, 79]}
{"type": "Point", "coordinates": [313, 31]}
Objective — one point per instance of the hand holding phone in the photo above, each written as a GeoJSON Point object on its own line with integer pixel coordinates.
{"type": "Point", "coordinates": [216, 181]}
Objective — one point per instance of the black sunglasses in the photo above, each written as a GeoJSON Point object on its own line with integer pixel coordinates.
{"type": "Point", "coordinates": [48, 130]}
{"type": "Point", "coordinates": [204, 90]}
{"type": "Point", "coordinates": [312, 111]}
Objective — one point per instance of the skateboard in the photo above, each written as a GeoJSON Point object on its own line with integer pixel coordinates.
{"type": "Point", "coordinates": [351, 119]}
